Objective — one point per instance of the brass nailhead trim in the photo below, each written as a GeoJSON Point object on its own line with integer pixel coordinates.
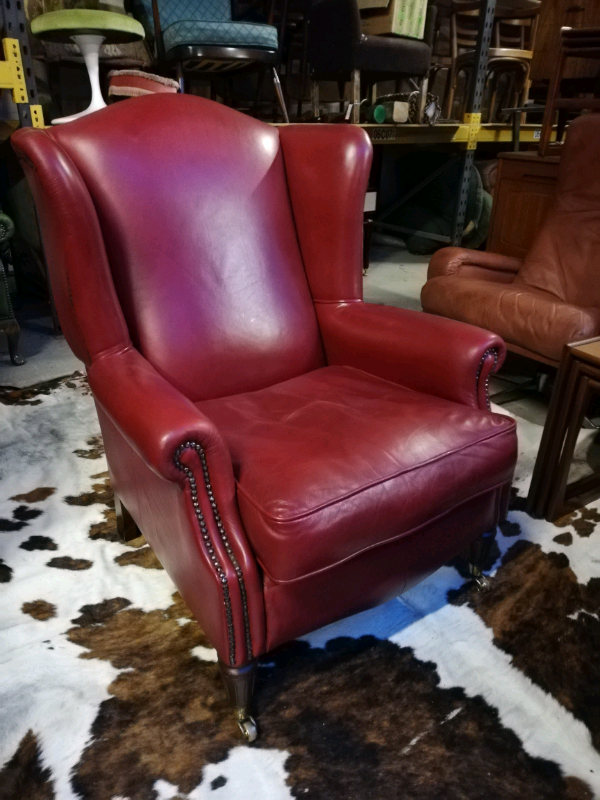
{"type": "Point", "coordinates": [209, 546]}
{"type": "Point", "coordinates": [494, 352]}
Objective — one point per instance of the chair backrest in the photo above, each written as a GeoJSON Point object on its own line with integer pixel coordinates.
{"type": "Point", "coordinates": [565, 257]}
{"type": "Point", "coordinates": [516, 33]}
{"type": "Point", "coordinates": [171, 11]}
{"type": "Point", "coordinates": [182, 206]}
{"type": "Point", "coordinates": [464, 26]}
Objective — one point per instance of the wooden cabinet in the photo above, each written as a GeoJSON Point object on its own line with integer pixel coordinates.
{"type": "Point", "coordinates": [524, 192]}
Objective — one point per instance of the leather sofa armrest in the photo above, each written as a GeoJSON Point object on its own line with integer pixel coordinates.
{"type": "Point", "coordinates": [153, 416]}
{"type": "Point", "coordinates": [454, 261]}
{"type": "Point", "coordinates": [422, 351]}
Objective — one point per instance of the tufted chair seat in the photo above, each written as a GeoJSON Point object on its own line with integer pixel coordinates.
{"type": "Point", "coordinates": [291, 454]}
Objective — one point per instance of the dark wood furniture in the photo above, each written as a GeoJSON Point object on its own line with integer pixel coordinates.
{"type": "Point", "coordinates": [578, 381]}
{"type": "Point", "coordinates": [555, 14]}
{"type": "Point", "coordinates": [579, 43]}
{"type": "Point", "coordinates": [524, 192]}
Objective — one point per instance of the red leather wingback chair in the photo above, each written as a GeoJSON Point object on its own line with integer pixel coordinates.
{"type": "Point", "coordinates": [552, 297]}
{"type": "Point", "coordinates": [292, 454]}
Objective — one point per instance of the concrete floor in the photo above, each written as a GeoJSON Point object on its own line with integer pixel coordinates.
{"type": "Point", "coordinates": [47, 355]}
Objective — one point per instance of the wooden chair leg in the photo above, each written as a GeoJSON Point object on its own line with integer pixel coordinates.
{"type": "Point", "coordinates": [551, 98]}
{"type": "Point", "coordinates": [493, 98]}
{"type": "Point", "coordinates": [356, 96]}
{"type": "Point", "coordinates": [558, 490]}
{"type": "Point", "coordinates": [548, 451]}
{"type": "Point", "coordinates": [12, 334]}
{"type": "Point", "coordinates": [559, 415]}
{"type": "Point", "coordinates": [126, 527]}
{"type": "Point", "coordinates": [239, 684]}
{"type": "Point", "coordinates": [450, 92]}
{"type": "Point", "coordinates": [314, 99]}
{"type": "Point", "coordinates": [423, 88]}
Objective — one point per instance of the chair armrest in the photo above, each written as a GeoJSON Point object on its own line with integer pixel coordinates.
{"type": "Point", "coordinates": [424, 352]}
{"type": "Point", "coordinates": [153, 416]}
{"type": "Point", "coordinates": [177, 490]}
{"type": "Point", "coordinates": [452, 261]}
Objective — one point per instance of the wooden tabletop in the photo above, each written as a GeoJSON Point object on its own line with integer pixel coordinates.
{"type": "Point", "coordinates": [588, 350]}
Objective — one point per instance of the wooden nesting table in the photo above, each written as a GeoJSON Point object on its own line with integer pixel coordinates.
{"type": "Point", "coordinates": [577, 382]}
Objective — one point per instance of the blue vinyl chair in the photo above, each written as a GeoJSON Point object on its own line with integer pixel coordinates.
{"type": "Point", "coordinates": [201, 36]}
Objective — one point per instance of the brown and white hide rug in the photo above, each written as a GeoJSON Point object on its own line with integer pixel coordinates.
{"type": "Point", "coordinates": [109, 690]}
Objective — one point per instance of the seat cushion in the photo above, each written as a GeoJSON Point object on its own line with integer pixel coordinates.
{"type": "Point", "coordinates": [233, 34]}
{"type": "Point", "coordinates": [523, 316]}
{"type": "Point", "coordinates": [392, 54]}
{"type": "Point", "coordinates": [337, 461]}
{"type": "Point", "coordinates": [60, 26]}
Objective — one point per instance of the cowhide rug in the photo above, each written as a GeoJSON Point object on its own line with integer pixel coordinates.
{"type": "Point", "coordinates": [109, 690]}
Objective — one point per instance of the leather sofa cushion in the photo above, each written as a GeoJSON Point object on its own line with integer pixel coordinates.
{"type": "Point", "coordinates": [337, 461]}
{"type": "Point", "coordinates": [523, 316]}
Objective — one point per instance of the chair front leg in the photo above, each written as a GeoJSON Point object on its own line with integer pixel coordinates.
{"type": "Point", "coordinates": [478, 555]}
{"type": "Point", "coordinates": [239, 683]}
{"type": "Point", "coordinates": [356, 96]}
{"type": "Point", "coordinates": [126, 527]}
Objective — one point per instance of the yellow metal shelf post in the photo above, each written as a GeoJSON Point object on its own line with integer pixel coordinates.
{"type": "Point", "coordinates": [16, 71]}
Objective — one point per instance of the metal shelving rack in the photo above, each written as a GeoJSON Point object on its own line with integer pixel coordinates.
{"type": "Point", "coordinates": [466, 135]}
{"type": "Point", "coordinates": [16, 74]}
{"type": "Point", "coordinates": [18, 66]}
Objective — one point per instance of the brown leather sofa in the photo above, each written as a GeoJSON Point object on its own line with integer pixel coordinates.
{"type": "Point", "coordinates": [292, 454]}
{"type": "Point", "coordinates": [552, 297]}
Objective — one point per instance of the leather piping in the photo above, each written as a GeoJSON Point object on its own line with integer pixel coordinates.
{"type": "Point", "coordinates": [392, 540]}
{"type": "Point", "coordinates": [365, 487]}
{"type": "Point", "coordinates": [209, 546]}
{"type": "Point", "coordinates": [492, 351]}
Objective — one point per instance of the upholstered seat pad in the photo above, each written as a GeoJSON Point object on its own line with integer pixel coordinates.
{"type": "Point", "coordinates": [527, 317]}
{"type": "Point", "coordinates": [232, 34]}
{"type": "Point", "coordinates": [391, 54]}
{"type": "Point", "coordinates": [336, 461]}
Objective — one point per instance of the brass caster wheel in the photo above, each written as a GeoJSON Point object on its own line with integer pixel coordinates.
{"type": "Point", "coordinates": [248, 729]}
{"type": "Point", "coordinates": [482, 583]}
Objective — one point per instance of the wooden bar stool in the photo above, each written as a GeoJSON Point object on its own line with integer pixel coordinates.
{"type": "Point", "coordinates": [578, 381]}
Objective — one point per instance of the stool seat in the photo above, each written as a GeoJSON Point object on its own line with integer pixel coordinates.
{"type": "Point", "coordinates": [89, 29]}
{"type": "Point", "coordinates": [60, 26]}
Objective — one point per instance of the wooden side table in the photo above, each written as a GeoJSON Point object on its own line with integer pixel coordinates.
{"type": "Point", "coordinates": [577, 382]}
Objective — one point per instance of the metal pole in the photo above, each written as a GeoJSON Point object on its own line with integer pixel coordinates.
{"type": "Point", "coordinates": [486, 25]}
{"type": "Point", "coordinates": [15, 27]}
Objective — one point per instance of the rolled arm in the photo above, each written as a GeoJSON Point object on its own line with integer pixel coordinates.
{"type": "Point", "coordinates": [424, 352]}
{"type": "Point", "coordinates": [454, 261]}
{"type": "Point", "coordinates": [173, 470]}
{"type": "Point", "coordinates": [153, 416]}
